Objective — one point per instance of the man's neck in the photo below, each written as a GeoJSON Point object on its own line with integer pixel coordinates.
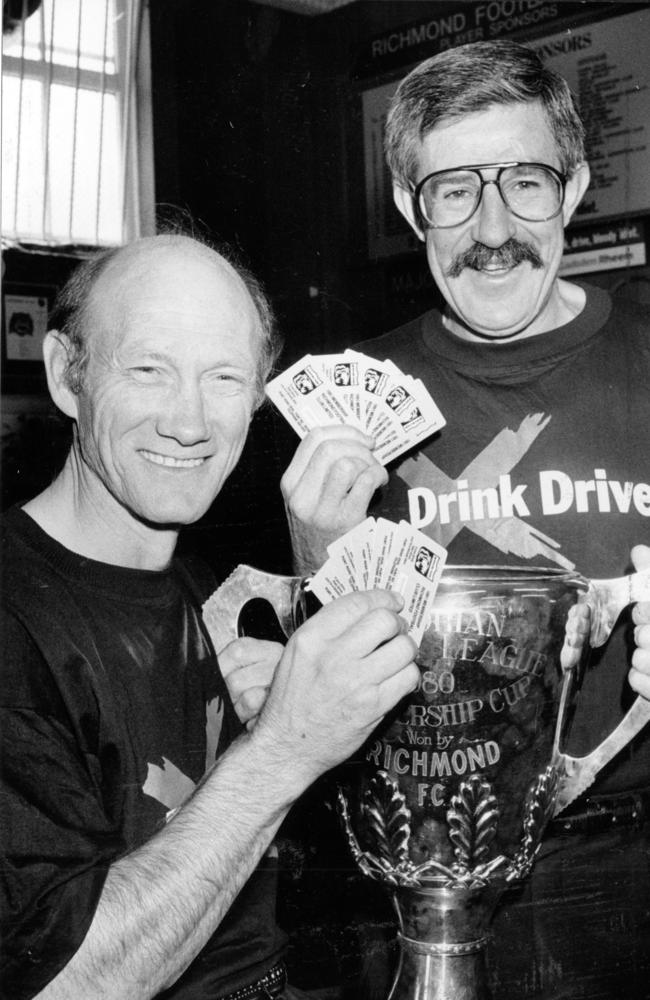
{"type": "Point", "coordinates": [94, 525]}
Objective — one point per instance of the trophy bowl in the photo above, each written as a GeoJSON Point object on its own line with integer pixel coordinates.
{"type": "Point", "coordinates": [451, 801]}
{"type": "Point", "coordinates": [446, 804]}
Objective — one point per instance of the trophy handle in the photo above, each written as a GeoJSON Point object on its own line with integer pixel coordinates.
{"type": "Point", "coordinates": [222, 609]}
{"type": "Point", "coordinates": [607, 598]}
{"type": "Point", "coordinates": [578, 773]}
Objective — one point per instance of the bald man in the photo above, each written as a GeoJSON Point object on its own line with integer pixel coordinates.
{"type": "Point", "coordinates": [141, 790]}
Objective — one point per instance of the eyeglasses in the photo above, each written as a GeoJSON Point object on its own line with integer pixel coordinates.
{"type": "Point", "coordinates": [531, 191]}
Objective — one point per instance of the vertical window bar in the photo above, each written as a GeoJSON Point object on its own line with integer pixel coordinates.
{"type": "Point", "coordinates": [144, 214]}
{"type": "Point", "coordinates": [133, 18]}
{"type": "Point", "coordinates": [20, 115]}
{"type": "Point", "coordinates": [101, 122]}
{"type": "Point", "coordinates": [76, 123]}
{"type": "Point", "coordinates": [47, 103]}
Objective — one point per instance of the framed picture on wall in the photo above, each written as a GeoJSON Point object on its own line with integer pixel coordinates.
{"type": "Point", "coordinates": [25, 312]}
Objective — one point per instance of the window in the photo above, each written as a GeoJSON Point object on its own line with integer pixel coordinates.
{"type": "Point", "coordinates": [77, 159]}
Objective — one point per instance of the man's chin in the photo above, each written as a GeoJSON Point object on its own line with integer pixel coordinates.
{"type": "Point", "coordinates": [171, 519]}
{"type": "Point", "coordinates": [485, 325]}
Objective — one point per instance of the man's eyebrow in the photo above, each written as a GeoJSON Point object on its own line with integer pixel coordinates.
{"type": "Point", "coordinates": [141, 350]}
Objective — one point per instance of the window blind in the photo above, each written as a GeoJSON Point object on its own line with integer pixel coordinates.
{"type": "Point", "coordinates": [76, 152]}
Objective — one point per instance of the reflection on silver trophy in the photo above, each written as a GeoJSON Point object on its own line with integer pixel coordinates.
{"type": "Point", "coordinates": [450, 797]}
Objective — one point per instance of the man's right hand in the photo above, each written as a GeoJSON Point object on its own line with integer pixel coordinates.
{"type": "Point", "coordinates": [639, 676]}
{"type": "Point", "coordinates": [327, 489]}
{"type": "Point", "coordinates": [339, 674]}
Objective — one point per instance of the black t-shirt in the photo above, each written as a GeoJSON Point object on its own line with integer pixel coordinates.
{"type": "Point", "coordinates": [554, 430]}
{"type": "Point", "coordinates": [112, 709]}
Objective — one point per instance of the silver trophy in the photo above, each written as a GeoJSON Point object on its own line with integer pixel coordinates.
{"type": "Point", "coordinates": [451, 795]}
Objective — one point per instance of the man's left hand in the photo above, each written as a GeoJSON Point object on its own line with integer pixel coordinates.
{"type": "Point", "coordinates": [327, 488]}
{"type": "Point", "coordinates": [248, 666]}
{"type": "Point", "coordinates": [639, 675]}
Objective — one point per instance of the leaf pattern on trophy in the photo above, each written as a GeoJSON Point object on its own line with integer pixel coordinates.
{"type": "Point", "coordinates": [388, 822]}
{"type": "Point", "coordinates": [389, 819]}
{"type": "Point", "coordinates": [390, 812]}
{"type": "Point", "coordinates": [472, 821]}
{"type": "Point", "coordinates": [538, 809]}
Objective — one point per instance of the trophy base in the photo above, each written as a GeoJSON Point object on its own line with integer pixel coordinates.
{"type": "Point", "coordinates": [443, 934]}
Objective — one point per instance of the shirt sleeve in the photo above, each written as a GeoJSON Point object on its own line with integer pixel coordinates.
{"type": "Point", "coordinates": [58, 840]}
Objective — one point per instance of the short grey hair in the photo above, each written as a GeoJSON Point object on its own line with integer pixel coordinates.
{"type": "Point", "coordinates": [472, 78]}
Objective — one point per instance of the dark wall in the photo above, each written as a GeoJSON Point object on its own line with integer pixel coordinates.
{"type": "Point", "coordinates": [257, 130]}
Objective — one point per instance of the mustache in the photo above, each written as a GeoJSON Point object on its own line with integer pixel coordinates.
{"type": "Point", "coordinates": [509, 254]}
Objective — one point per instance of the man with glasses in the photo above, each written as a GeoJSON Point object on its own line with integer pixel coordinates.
{"type": "Point", "coordinates": [543, 461]}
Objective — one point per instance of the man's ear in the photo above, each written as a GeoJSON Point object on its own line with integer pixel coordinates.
{"type": "Point", "coordinates": [576, 186]}
{"type": "Point", "coordinates": [404, 201]}
{"type": "Point", "coordinates": [56, 354]}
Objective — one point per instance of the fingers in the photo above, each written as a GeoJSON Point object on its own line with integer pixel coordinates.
{"type": "Point", "coordinates": [390, 659]}
{"type": "Point", "coordinates": [376, 700]}
{"type": "Point", "coordinates": [380, 628]}
{"type": "Point", "coordinates": [641, 613]}
{"type": "Point", "coordinates": [368, 637]}
{"type": "Point", "coordinates": [640, 682]}
{"type": "Point", "coordinates": [332, 496]}
{"type": "Point", "coordinates": [340, 673]}
{"type": "Point", "coordinates": [396, 687]}
{"type": "Point", "coordinates": [578, 626]}
{"type": "Point", "coordinates": [327, 489]}
{"type": "Point", "coordinates": [641, 557]}
{"type": "Point", "coordinates": [327, 466]}
{"type": "Point", "coordinates": [250, 705]}
{"type": "Point", "coordinates": [641, 561]}
{"type": "Point", "coordinates": [248, 651]}
{"type": "Point", "coordinates": [248, 666]}
{"type": "Point", "coordinates": [639, 675]}
{"type": "Point", "coordinates": [321, 447]}
{"type": "Point", "coordinates": [362, 489]}
{"type": "Point", "coordinates": [258, 675]}
{"type": "Point", "coordinates": [346, 614]}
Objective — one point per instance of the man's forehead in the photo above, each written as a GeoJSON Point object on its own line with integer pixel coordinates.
{"type": "Point", "coordinates": [176, 275]}
{"type": "Point", "coordinates": [147, 260]}
{"type": "Point", "coordinates": [516, 130]}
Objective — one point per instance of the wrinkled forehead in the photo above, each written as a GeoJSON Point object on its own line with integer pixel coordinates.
{"type": "Point", "coordinates": [171, 280]}
{"type": "Point", "coordinates": [519, 131]}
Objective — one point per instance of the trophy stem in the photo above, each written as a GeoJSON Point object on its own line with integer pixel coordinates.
{"type": "Point", "coordinates": [443, 934]}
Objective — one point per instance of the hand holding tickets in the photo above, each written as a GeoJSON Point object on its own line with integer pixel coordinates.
{"type": "Point", "coordinates": [351, 388]}
{"type": "Point", "coordinates": [381, 554]}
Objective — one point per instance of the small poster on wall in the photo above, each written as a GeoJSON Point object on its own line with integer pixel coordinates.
{"type": "Point", "coordinates": [25, 326]}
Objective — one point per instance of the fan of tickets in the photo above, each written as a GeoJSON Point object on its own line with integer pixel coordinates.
{"type": "Point", "coordinates": [351, 388]}
{"type": "Point", "coordinates": [379, 553]}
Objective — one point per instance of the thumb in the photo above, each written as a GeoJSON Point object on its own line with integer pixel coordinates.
{"type": "Point", "coordinates": [641, 556]}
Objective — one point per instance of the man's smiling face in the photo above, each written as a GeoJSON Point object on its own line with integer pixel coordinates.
{"type": "Point", "coordinates": [170, 385]}
{"type": "Point", "coordinates": [497, 272]}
